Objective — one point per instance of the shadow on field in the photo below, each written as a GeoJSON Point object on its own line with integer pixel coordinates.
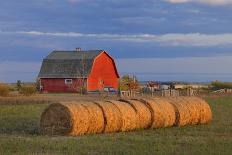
{"type": "Point", "coordinates": [20, 119]}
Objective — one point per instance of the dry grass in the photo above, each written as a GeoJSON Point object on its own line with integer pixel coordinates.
{"type": "Point", "coordinates": [4, 90]}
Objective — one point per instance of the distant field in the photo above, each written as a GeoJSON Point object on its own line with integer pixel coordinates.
{"type": "Point", "coordinates": [19, 133]}
{"type": "Point", "coordinates": [50, 98]}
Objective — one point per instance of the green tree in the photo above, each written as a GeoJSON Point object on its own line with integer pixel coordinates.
{"type": "Point", "coordinates": [19, 84]}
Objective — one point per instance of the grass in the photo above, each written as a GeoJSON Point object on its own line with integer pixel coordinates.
{"type": "Point", "coordinates": [19, 134]}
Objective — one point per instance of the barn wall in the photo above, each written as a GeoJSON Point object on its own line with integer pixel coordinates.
{"type": "Point", "coordinates": [58, 85]}
{"type": "Point", "coordinates": [103, 74]}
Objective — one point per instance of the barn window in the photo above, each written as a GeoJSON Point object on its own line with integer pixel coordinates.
{"type": "Point", "coordinates": [68, 81]}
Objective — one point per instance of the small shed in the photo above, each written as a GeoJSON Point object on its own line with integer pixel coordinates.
{"type": "Point", "coordinates": [71, 71]}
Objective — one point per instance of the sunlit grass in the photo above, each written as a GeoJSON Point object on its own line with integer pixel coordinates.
{"type": "Point", "coordinates": [19, 133]}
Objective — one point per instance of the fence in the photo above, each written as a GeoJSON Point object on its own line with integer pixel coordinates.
{"type": "Point", "coordinates": [160, 93]}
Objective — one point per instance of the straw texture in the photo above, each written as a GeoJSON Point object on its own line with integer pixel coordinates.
{"type": "Point", "coordinates": [78, 118]}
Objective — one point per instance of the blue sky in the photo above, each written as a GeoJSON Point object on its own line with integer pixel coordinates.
{"type": "Point", "coordinates": [192, 37]}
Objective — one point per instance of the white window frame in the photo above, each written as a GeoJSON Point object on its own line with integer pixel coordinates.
{"type": "Point", "coordinates": [68, 81]}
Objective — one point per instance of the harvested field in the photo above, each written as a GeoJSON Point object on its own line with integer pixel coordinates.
{"type": "Point", "coordinates": [19, 134]}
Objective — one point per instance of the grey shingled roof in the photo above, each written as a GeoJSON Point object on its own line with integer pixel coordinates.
{"type": "Point", "coordinates": [68, 64]}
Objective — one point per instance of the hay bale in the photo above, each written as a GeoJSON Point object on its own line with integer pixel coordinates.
{"type": "Point", "coordinates": [112, 117]}
{"type": "Point", "coordinates": [128, 115]}
{"type": "Point", "coordinates": [187, 104]}
{"type": "Point", "coordinates": [194, 107]}
{"type": "Point", "coordinates": [64, 119]}
{"type": "Point", "coordinates": [168, 111]}
{"type": "Point", "coordinates": [191, 110]}
{"type": "Point", "coordinates": [158, 119]}
{"type": "Point", "coordinates": [80, 117]}
{"type": "Point", "coordinates": [204, 110]}
{"type": "Point", "coordinates": [183, 116]}
{"type": "Point", "coordinates": [96, 117]}
{"type": "Point", "coordinates": [143, 113]}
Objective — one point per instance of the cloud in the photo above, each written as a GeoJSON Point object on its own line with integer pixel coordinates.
{"type": "Point", "coordinates": [210, 2]}
{"type": "Point", "coordinates": [170, 39]}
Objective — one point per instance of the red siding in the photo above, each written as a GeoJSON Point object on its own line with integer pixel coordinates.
{"type": "Point", "coordinates": [103, 73]}
{"type": "Point", "coordinates": [59, 86]}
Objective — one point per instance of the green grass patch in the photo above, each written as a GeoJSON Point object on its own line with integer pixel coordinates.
{"type": "Point", "coordinates": [19, 135]}
{"type": "Point", "coordinates": [20, 119]}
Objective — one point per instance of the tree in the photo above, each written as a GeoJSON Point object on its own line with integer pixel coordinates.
{"type": "Point", "coordinates": [19, 84]}
{"type": "Point", "coordinates": [221, 85]}
{"type": "Point", "coordinates": [128, 83]}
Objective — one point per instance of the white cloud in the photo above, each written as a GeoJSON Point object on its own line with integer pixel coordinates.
{"type": "Point", "coordinates": [210, 2]}
{"type": "Point", "coordinates": [170, 39]}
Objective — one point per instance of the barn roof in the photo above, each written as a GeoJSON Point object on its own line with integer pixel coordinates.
{"type": "Point", "coordinates": [68, 64]}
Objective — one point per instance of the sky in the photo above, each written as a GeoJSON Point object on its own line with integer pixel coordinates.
{"type": "Point", "coordinates": [162, 40]}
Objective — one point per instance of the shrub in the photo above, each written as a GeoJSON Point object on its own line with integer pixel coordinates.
{"type": "Point", "coordinates": [221, 85]}
{"type": "Point", "coordinates": [19, 85]}
{"type": "Point", "coordinates": [4, 90]}
{"type": "Point", "coordinates": [27, 90]}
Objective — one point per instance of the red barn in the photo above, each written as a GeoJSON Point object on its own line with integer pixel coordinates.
{"type": "Point", "coordinates": [71, 71]}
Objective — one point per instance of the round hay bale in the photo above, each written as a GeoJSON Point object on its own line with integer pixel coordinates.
{"type": "Point", "coordinates": [128, 115]}
{"type": "Point", "coordinates": [187, 103]}
{"type": "Point", "coordinates": [194, 107]}
{"type": "Point", "coordinates": [205, 111]}
{"type": "Point", "coordinates": [64, 119]}
{"type": "Point", "coordinates": [143, 114]}
{"type": "Point", "coordinates": [112, 117]}
{"type": "Point", "coordinates": [158, 119]}
{"type": "Point", "coordinates": [168, 111]}
{"type": "Point", "coordinates": [183, 117]}
{"type": "Point", "coordinates": [97, 123]}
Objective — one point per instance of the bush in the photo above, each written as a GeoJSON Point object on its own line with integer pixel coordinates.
{"type": "Point", "coordinates": [4, 90]}
{"type": "Point", "coordinates": [221, 85]}
{"type": "Point", "coordinates": [27, 90]}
